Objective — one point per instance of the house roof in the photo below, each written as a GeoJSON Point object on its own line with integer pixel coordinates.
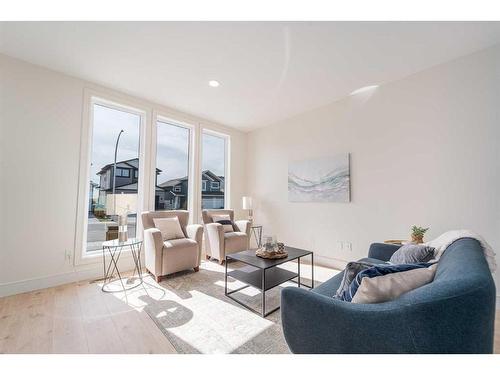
{"type": "Point", "coordinates": [171, 183]}
{"type": "Point", "coordinates": [176, 181]}
{"type": "Point", "coordinates": [130, 163]}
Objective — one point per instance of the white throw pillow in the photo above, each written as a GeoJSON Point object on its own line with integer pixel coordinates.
{"type": "Point", "coordinates": [388, 287]}
{"type": "Point", "coordinates": [227, 224]}
{"type": "Point", "coordinates": [169, 227]}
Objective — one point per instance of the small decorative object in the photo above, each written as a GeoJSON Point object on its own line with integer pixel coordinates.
{"type": "Point", "coordinates": [247, 205]}
{"type": "Point", "coordinates": [122, 227]}
{"type": "Point", "coordinates": [272, 249]}
{"type": "Point", "coordinates": [269, 243]}
{"type": "Point", "coordinates": [320, 180]}
{"type": "Point", "coordinates": [417, 234]}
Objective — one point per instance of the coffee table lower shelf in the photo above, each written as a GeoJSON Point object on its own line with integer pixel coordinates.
{"type": "Point", "coordinates": [264, 274]}
{"type": "Point", "coordinates": [270, 278]}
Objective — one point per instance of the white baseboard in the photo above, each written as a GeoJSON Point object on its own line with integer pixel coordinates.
{"type": "Point", "coordinates": [87, 273]}
{"type": "Point", "coordinates": [327, 262]}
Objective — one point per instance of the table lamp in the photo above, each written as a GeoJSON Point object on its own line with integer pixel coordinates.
{"type": "Point", "coordinates": [247, 205]}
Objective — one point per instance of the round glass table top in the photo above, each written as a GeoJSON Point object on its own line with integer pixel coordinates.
{"type": "Point", "coordinates": [117, 243]}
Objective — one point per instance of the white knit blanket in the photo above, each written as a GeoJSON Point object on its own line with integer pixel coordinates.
{"type": "Point", "coordinates": [446, 239]}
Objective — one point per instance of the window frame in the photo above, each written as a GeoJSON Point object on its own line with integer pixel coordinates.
{"type": "Point", "coordinates": [162, 117]}
{"type": "Point", "coordinates": [227, 167]}
{"type": "Point", "coordinates": [91, 98]}
{"type": "Point", "coordinates": [123, 170]}
{"type": "Point", "coordinates": [150, 115]}
{"type": "Point", "coordinates": [213, 183]}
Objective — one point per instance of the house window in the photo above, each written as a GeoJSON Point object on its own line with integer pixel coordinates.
{"type": "Point", "coordinates": [123, 172]}
{"type": "Point", "coordinates": [136, 173]}
{"type": "Point", "coordinates": [203, 186]}
{"type": "Point", "coordinates": [172, 163]}
{"type": "Point", "coordinates": [214, 149]}
{"type": "Point", "coordinates": [109, 196]}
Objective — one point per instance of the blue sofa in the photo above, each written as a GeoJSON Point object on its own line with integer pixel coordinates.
{"type": "Point", "coordinates": [453, 314]}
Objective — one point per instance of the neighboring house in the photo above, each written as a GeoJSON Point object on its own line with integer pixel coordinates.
{"type": "Point", "coordinates": [92, 189]}
{"type": "Point", "coordinates": [212, 192]}
{"type": "Point", "coordinates": [127, 174]}
{"type": "Point", "coordinates": [169, 195]}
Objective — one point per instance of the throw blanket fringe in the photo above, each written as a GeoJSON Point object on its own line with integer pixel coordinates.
{"type": "Point", "coordinates": [446, 239]}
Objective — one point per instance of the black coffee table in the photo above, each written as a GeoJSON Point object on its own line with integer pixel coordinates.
{"type": "Point", "coordinates": [264, 274]}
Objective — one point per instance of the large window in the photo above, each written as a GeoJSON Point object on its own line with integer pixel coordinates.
{"type": "Point", "coordinates": [213, 170]}
{"type": "Point", "coordinates": [172, 166]}
{"type": "Point", "coordinates": [143, 178]}
{"type": "Point", "coordinates": [113, 130]}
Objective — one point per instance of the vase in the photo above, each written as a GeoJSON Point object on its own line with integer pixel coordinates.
{"type": "Point", "coordinates": [122, 228]}
{"type": "Point", "coordinates": [417, 239]}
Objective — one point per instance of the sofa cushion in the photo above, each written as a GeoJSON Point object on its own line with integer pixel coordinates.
{"type": "Point", "coordinates": [169, 227]}
{"type": "Point", "coordinates": [391, 286]}
{"type": "Point", "coordinates": [330, 287]}
{"type": "Point", "coordinates": [372, 261]}
{"type": "Point", "coordinates": [350, 272]}
{"type": "Point", "coordinates": [379, 271]}
{"type": "Point", "coordinates": [412, 253]}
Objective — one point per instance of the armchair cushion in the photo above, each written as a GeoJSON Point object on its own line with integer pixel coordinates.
{"type": "Point", "coordinates": [181, 243]}
{"type": "Point", "coordinates": [225, 221]}
{"type": "Point", "coordinates": [235, 241]}
{"type": "Point", "coordinates": [243, 226]}
{"type": "Point", "coordinates": [169, 227]}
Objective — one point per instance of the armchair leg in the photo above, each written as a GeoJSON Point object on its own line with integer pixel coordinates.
{"type": "Point", "coordinates": [158, 279]}
{"type": "Point", "coordinates": [208, 257]}
{"type": "Point", "coordinates": [221, 262]}
{"type": "Point", "coordinates": [196, 269]}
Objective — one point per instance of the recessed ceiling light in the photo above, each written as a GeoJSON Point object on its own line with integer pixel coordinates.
{"type": "Point", "coordinates": [364, 89]}
{"type": "Point", "coordinates": [213, 83]}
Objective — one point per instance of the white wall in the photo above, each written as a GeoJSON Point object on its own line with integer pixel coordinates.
{"type": "Point", "coordinates": [41, 117]}
{"type": "Point", "coordinates": [424, 150]}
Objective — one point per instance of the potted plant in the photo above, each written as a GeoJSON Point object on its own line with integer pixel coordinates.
{"type": "Point", "coordinates": [417, 234]}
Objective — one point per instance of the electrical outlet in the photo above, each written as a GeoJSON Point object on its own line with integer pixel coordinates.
{"type": "Point", "coordinates": [340, 245]}
{"type": "Point", "coordinates": [348, 246]}
{"type": "Point", "coordinates": [67, 255]}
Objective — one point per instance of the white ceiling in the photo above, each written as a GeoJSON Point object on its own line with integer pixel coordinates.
{"type": "Point", "coordinates": [268, 70]}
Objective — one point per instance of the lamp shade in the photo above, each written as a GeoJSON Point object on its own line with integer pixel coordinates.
{"type": "Point", "coordinates": [125, 203]}
{"type": "Point", "coordinates": [247, 203]}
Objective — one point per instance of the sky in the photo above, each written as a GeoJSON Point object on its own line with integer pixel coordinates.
{"type": "Point", "coordinates": [172, 145]}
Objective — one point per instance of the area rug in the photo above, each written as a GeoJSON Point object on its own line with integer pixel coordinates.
{"type": "Point", "coordinates": [197, 317]}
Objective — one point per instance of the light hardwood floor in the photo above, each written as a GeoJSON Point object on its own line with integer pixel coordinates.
{"type": "Point", "coordinates": [79, 318]}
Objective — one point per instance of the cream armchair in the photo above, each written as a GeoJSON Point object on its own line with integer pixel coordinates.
{"type": "Point", "coordinates": [166, 257]}
{"type": "Point", "coordinates": [218, 243]}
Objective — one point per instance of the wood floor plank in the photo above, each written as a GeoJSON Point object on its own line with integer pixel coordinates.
{"type": "Point", "coordinates": [35, 332]}
{"type": "Point", "coordinates": [100, 330]}
{"type": "Point", "coordinates": [68, 329]}
{"type": "Point", "coordinates": [9, 323]}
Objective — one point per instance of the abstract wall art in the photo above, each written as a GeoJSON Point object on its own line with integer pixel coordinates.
{"type": "Point", "coordinates": [320, 180]}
